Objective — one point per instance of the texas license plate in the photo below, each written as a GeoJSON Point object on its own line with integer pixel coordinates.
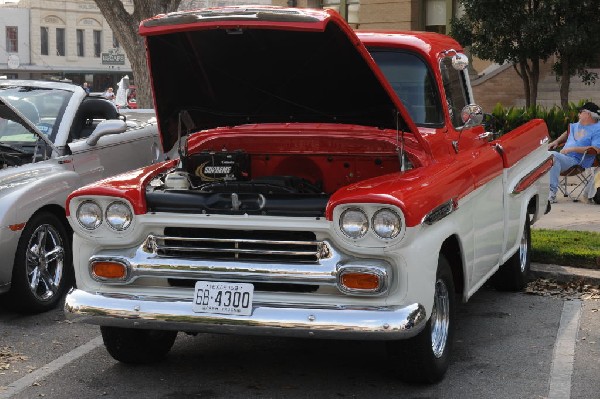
{"type": "Point", "coordinates": [223, 298]}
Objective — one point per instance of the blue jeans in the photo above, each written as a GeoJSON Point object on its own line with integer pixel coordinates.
{"type": "Point", "coordinates": [561, 163]}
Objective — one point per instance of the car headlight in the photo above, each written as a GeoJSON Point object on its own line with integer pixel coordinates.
{"type": "Point", "coordinates": [118, 215]}
{"type": "Point", "coordinates": [89, 215]}
{"type": "Point", "coordinates": [354, 223]}
{"type": "Point", "coordinates": [386, 223]}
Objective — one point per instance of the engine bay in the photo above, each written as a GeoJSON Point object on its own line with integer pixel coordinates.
{"type": "Point", "coordinates": [238, 182]}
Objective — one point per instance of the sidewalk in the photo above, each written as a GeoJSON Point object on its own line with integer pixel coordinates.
{"type": "Point", "coordinates": [569, 215]}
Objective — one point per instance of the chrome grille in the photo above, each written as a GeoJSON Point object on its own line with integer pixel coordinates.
{"type": "Point", "coordinates": [267, 246]}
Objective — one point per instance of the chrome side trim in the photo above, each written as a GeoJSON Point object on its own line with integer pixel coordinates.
{"type": "Point", "coordinates": [530, 178]}
{"type": "Point", "coordinates": [440, 212]}
{"type": "Point", "coordinates": [340, 322]}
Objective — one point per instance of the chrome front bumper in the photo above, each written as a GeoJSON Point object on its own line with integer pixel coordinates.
{"type": "Point", "coordinates": [343, 322]}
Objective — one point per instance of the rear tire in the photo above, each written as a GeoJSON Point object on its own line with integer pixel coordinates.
{"type": "Point", "coordinates": [425, 357]}
{"type": "Point", "coordinates": [133, 346]}
{"type": "Point", "coordinates": [514, 274]}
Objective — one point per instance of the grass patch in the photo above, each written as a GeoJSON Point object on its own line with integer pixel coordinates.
{"type": "Point", "coordinates": [566, 247]}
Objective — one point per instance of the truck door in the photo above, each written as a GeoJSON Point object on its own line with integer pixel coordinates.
{"type": "Point", "coordinates": [486, 202]}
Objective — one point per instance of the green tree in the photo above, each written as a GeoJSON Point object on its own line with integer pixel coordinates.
{"type": "Point", "coordinates": [515, 31]}
{"type": "Point", "coordinates": [577, 38]}
{"type": "Point", "coordinates": [125, 27]}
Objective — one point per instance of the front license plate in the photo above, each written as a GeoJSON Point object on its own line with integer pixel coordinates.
{"type": "Point", "coordinates": [222, 297]}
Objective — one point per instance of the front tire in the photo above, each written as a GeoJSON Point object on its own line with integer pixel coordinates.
{"type": "Point", "coordinates": [42, 270]}
{"type": "Point", "coordinates": [514, 274]}
{"type": "Point", "coordinates": [133, 346]}
{"type": "Point", "coordinates": [425, 357]}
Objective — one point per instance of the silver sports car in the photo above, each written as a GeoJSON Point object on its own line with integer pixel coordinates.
{"type": "Point", "coordinates": [55, 138]}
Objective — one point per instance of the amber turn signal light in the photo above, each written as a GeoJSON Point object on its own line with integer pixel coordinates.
{"type": "Point", "coordinates": [360, 281]}
{"type": "Point", "coordinates": [109, 270]}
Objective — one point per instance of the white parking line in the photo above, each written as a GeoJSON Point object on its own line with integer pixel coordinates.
{"type": "Point", "coordinates": [564, 351]}
{"type": "Point", "coordinates": [50, 368]}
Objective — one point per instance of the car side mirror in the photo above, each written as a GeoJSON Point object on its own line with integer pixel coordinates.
{"type": "Point", "coordinates": [460, 61]}
{"type": "Point", "coordinates": [471, 115]}
{"type": "Point", "coordinates": [109, 126]}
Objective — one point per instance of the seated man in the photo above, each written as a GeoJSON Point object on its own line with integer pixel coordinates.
{"type": "Point", "coordinates": [580, 137]}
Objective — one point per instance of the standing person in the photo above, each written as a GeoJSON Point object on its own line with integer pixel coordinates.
{"type": "Point", "coordinates": [109, 94]}
{"type": "Point", "coordinates": [579, 138]}
{"type": "Point", "coordinates": [86, 87]}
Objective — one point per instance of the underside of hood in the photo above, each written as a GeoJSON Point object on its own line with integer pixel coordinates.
{"type": "Point", "coordinates": [235, 66]}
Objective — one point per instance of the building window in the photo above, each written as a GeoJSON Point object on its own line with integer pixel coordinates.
{"type": "Point", "coordinates": [12, 39]}
{"type": "Point", "coordinates": [115, 42]}
{"type": "Point", "coordinates": [97, 43]}
{"type": "Point", "coordinates": [80, 43]}
{"type": "Point", "coordinates": [44, 40]}
{"type": "Point", "coordinates": [60, 41]}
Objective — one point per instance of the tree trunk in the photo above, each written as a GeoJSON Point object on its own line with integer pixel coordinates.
{"type": "Point", "coordinates": [534, 79]}
{"type": "Point", "coordinates": [522, 71]}
{"type": "Point", "coordinates": [565, 83]}
{"type": "Point", "coordinates": [125, 28]}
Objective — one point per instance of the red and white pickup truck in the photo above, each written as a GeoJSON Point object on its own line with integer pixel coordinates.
{"type": "Point", "coordinates": [328, 184]}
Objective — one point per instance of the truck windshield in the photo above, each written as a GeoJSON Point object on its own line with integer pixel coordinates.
{"type": "Point", "coordinates": [413, 83]}
{"type": "Point", "coordinates": [43, 107]}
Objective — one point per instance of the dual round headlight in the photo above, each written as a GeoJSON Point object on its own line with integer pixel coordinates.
{"type": "Point", "coordinates": [385, 223]}
{"type": "Point", "coordinates": [117, 215]}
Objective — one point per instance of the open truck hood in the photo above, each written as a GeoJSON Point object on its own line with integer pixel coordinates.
{"type": "Point", "coordinates": [245, 65]}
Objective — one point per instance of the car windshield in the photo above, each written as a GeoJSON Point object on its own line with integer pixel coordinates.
{"type": "Point", "coordinates": [413, 83]}
{"type": "Point", "coordinates": [43, 107]}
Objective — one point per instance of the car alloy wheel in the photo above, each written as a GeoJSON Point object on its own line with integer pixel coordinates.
{"type": "Point", "coordinates": [45, 262]}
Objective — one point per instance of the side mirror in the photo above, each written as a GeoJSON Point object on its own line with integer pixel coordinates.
{"type": "Point", "coordinates": [109, 126]}
{"type": "Point", "coordinates": [460, 61]}
{"type": "Point", "coordinates": [471, 115]}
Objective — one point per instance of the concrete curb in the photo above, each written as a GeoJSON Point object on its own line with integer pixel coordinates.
{"type": "Point", "coordinates": [565, 274]}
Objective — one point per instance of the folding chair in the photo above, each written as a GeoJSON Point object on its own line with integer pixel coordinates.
{"type": "Point", "coordinates": [583, 176]}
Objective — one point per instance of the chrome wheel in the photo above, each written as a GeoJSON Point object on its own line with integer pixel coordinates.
{"type": "Point", "coordinates": [523, 252]}
{"type": "Point", "coordinates": [425, 357]}
{"type": "Point", "coordinates": [440, 319]}
{"type": "Point", "coordinates": [44, 262]}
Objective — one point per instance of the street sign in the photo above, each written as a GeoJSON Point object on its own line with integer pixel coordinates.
{"type": "Point", "coordinates": [113, 57]}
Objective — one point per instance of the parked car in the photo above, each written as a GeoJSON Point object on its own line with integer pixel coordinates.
{"type": "Point", "coordinates": [53, 139]}
{"type": "Point", "coordinates": [329, 185]}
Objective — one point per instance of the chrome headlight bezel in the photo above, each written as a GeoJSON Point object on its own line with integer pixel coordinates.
{"type": "Point", "coordinates": [361, 224]}
{"type": "Point", "coordinates": [379, 227]}
{"type": "Point", "coordinates": [371, 238]}
{"type": "Point", "coordinates": [111, 212]}
{"type": "Point", "coordinates": [90, 205]}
